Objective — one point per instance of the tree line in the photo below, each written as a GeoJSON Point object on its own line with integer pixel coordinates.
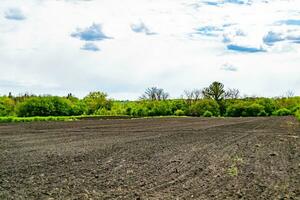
{"type": "Point", "coordinates": [210, 101]}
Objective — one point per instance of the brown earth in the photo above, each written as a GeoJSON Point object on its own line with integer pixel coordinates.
{"type": "Point", "coordinates": [159, 158]}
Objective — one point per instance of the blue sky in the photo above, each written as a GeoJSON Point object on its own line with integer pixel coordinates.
{"type": "Point", "coordinates": [123, 47]}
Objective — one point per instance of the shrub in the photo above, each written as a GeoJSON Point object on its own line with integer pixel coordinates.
{"type": "Point", "coordinates": [105, 112]}
{"type": "Point", "coordinates": [157, 108]}
{"type": "Point", "coordinates": [235, 110]}
{"type": "Point", "coordinates": [44, 106]}
{"type": "Point", "coordinates": [179, 113]}
{"type": "Point", "coordinates": [79, 108]}
{"type": "Point", "coordinates": [295, 109]}
{"type": "Point", "coordinates": [262, 114]}
{"type": "Point", "coordinates": [245, 110]}
{"type": "Point", "coordinates": [6, 106]}
{"type": "Point", "coordinates": [95, 101]}
{"type": "Point", "coordinates": [201, 106]}
{"type": "Point", "coordinates": [288, 103]}
{"type": "Point", "coordinates": [282, 112]}
{"type": "Point", "coordinates": [207, 114]}
{"type": "Point", "coordinates": [177, 105]}
{"type": "Point", "coordinates": [254, 109]}
{"type": "Point", "coordinates": [137, 109]}
{"type": "Point", "coordinates": [268, 104]}
{"type": "Point", "coordinates": [140, 112]}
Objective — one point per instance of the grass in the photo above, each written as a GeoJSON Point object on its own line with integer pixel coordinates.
{"type": "Point", "coordinates": [10, 119]}
{"type": "Point", "coordinates": [15, 119]}
{"type": "Point", "coordinates": [233, 169]}
{"type": "Point", "coordinates": [32, 119]}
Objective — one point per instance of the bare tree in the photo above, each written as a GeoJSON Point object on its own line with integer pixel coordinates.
{"type": "Point", "coordinates": [154, 93]}
{"type": "Point", "coordinates": [192, 95]}
{"type": "Point", "coordinates": [289, 94]}
{"type": "Point", "coordinates": [232, 93]}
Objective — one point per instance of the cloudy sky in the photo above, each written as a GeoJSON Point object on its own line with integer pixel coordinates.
{"type": "Point", "coordinates": [122, 47]}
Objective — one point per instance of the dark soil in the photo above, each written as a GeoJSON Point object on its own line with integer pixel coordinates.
{"type": "Point", "coordinates": [159, 158]}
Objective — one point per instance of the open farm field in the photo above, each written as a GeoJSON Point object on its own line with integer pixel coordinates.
{"type": "Point", "coordinates": [153, 158]}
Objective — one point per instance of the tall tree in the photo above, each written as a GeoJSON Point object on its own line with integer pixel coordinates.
{"type": "Point", "coordinates": [96, 101]}
{"type": "Point", "coordinates": [214, 91]}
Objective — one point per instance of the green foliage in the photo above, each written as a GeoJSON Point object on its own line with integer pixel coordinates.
{"type": "Point", "coordinates": [233, 170]}
{"type": "Point", "coordinates": [179, 113]}
{"type": "Point", "coordinates": [201, 106]}
{"type": "Point", "coordinates": [245, 110]}
{"type": "Point", "coordinates": [215, 91]}
{"type": "Point", "coordinates": [288, 103]}
{"type": "Point", "coordinates": [32, 119]}
{"type": "Point", "coordinates": [254, 110]}
{"type": "Point", "coordinates": [268, 104]}
{"type": "Point", "coordinates": [6, 106]}
{"type": "Point", "coordinates": [207, 114]}
{"type": "Point", "coordinates": [95, 101]}
{"type": "Point", "coordinates": [297, 114]}
{"type": "Point", "coordinates": [44, 106]}
{"type": "Point", "coordinates": [282, 112]}
{"type": "Point", "coordinates": [295, 109]}
{"type": "Point", "coordinates": [157, 108]}
{"type": "Point", "coordinates": [79, 108]}
{"type": "Point", "coordinates": [216, 102]}
{"type": "Point", "coordinates": [262, 114]}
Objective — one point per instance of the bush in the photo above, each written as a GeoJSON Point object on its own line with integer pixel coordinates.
{"type": "Point", "coordinates": [268, 104]}
{"type": "Point", "coordinates": [201, 106]}
{"type": "Point", "coordinates": [105, 112]}
{"type": "Point", "coordinates": [6, 106]}
{"type": "Point", "coordinates": [254, 110]}
{"type": "Point", "coordinates": [179, 113]}
{"type": "Point", "coordinates": [207, 114]}
{"type": "Point", "coordinates": [262, 114]}
{"type": "Point", "coordinates": [139, 112]}
{"type": "Point", "coordinates": [295, 109]}
{"type": "Point", "coordinates": [95, 101]}
{"type": "Point", "coordinates": [177, 105]}
{"type": "Point", "coordinates": [157, 108]}
{"type": "Point", "coordinates": [282, 112]}
{"type": "Point", "coordinates": [44, 106]}
{"type": "Point", "coordinates": [288, 103]}
{"type": "Point", "coordinates": [79, 108]}
{"type": "Point", "coordinates": [245, 110]}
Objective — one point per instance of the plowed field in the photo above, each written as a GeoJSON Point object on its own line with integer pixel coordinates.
{"type": "Point", "coordinates": [158, 158]}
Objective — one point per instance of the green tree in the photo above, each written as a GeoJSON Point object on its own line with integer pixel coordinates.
{"type": "Point", "coordinates": [215, 91]}
{"type": "Point", "coordinates": [95, 101]}
{"type": "Point", "coordinates": [6, 106]}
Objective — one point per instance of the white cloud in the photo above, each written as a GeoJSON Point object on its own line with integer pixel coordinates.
{"type": "Point", "coordinates": [229, 67]}
{"type": "Point", "coordinates": [141, 28]}
{"type": "Point", "coordinates": [14, 14]}
{"type": "Point", "coordinates": [39, 54]}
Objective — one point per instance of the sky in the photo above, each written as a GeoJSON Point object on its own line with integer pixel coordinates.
{"type": "Point", "coordinates": [123, 47]}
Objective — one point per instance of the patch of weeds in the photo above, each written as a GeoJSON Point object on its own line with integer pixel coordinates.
{"type": "Point", "coordinates": [233, 170]}
{"type": "Point", "coordinates": [237, 160]}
